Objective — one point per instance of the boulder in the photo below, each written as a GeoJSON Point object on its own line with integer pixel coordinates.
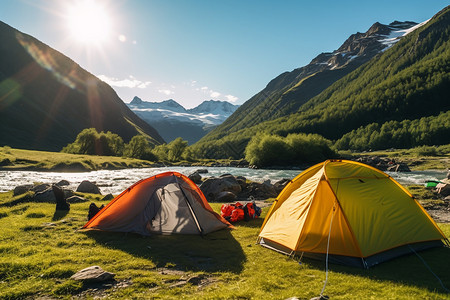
{"type": "Point", "coordinates": [67, 193]}
{"type": "Point", "coordinates": [280, 184]}
{"type": "Point", "coordinates": [381, 163]}
{"type": "Point", "coordinates": [88, 187]}
{"type": "Point", "coordinates": [226, 197]}
{"type": "Point", "coordinates": [63, 183]}
{"type": "Point", "coordinates": [45, 196]}
{"type": "Point", "coordinates": [399, 168]}
{"type": "Point", "coordinates": [22, 189]}
{"type": "Point", "coordinates": [108, 197]}
{"type": "Point", "coordinates": [5, 162]}
{"type": "Point", "coordinates": [196, 177]}
{"type": "Point", "coordinates": [93, 210]}
{"type": "Point", "coordinates": [93, 274]}
{"type": "Point", "coordinates": [41, 187]}
{"type": "Point", "coordinates": [260, 191]}
{"type": "Point", "coordinates": [242, 182]}
{"type": "Point", "coordinates": [202, 171]}
{"type": "Point", "coordinates": [61, 203]}
{"type": "Point", "coordinates": [76, 199]}
{"type": "Point", "coordinates": [213, 186]}
{"type": "Point", "coordinates": [443, 189]}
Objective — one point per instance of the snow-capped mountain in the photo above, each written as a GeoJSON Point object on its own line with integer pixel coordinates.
{"type": "Point", "coordinates": [172, 120]}
{"type": "Point", "coordinates": [288, 92]}
{"type": "Point", "coordinates": [363, 46]}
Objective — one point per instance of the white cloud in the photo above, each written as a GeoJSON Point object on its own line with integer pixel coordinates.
{"type": "Point", "coordinates": [130, 82]}
{"type": "Point", "coordinates": [166, 92]}
{"type": "Point", "coordinates": [231, 98]}
{"type": "Point", "coordinates": [214, 94]}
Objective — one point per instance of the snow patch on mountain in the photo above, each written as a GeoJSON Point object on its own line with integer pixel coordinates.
{"type": "Point", "coordinates": [170, 114]}
{"type": "Point", "coordinates": [208, 112]}
{"type": "Point", "coordinates": [360, 47]}
{"type": "Point", "coordinates": [397, 33]}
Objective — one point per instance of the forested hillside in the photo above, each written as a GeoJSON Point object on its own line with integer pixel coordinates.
{"type": "Point", "coordinates": [406, 86]}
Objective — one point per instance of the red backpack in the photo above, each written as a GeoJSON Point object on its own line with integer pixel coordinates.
{"type": "Point", "coordinates": [237, 212]}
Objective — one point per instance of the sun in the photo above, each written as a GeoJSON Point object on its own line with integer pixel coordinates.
{"type": "Point", "coordinates": [88, 22]}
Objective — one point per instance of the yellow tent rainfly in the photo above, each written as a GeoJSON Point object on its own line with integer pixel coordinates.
{"type": "Point", "coordinates": [357, 214]}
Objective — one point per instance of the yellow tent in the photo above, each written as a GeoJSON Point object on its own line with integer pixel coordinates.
{"type": "Point", "coordinates": [357, 214]}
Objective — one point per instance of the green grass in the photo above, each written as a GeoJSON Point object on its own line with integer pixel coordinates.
{"type": "Point", "coordinates": [40, 250]}
{"type": "Point", "coordinates": [418, 159]}
{"type": "Point", "coordinates": [18, 159]}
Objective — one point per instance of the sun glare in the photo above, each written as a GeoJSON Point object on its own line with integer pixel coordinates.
{"type": "Point", "coordinates": [89, 22]}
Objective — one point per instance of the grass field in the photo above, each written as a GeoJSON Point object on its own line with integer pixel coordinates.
{"type": "Point", "coordinates": [40, 249]}
{"type": "Point", "coordinates": [18, 159]}
{"type": "Point", "coordinates": [420, 158]}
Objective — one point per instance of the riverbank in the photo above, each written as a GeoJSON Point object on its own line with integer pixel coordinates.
{"type": "Point", "coordinates": [30, 160]}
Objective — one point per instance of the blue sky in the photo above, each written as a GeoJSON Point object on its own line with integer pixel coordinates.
{"type": "Point", "coordinates": [198, 50]}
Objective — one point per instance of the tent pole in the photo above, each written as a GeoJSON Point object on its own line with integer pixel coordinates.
{"type": "Point", "coordinates": [200, 229]}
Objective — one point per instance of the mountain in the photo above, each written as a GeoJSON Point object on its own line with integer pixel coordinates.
{"type": "Point", "coordinates": [372, 81]}
{"type": "Point", "coordinates": [289, 91]}
{"type": "Point", "coordinates": [172, 120]}
{"type": "Point", "coordinates": [46, 99]}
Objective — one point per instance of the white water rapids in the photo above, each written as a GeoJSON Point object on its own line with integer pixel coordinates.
{"type": "Point", "coordinates": [116, 181]}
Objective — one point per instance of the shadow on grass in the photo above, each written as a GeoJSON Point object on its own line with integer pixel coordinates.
{"type": "Point", "coordinates": [407, 270]}
{"type": "Point", "coordinates": [59, 214]}
{"type": "Point", "coordinates": [216, 252]}
{"type": "Point", "coordinates": [254, 223]}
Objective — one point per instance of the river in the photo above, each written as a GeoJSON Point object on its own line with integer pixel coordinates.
{"type": "Point", "coordinates": [115, 181]}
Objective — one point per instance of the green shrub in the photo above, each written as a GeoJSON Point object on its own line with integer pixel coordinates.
{"type": "Point", "coordinates": [176, 149]}
{"type": "Point", "coordinates": [425, 151]}
{"type": "Point", "coordinates": [271, 150]}
{"type": "Point", "coordinates": [91, 142]}
{"type": "Point", "coordinates": [267, 150]}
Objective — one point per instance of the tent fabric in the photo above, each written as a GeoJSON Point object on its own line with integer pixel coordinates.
{"type": "Point", "coordinates": [363, 210]}
{"type": "Point", "coordinates": [163, 204]}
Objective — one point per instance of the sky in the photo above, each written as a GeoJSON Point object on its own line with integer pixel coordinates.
{"type": "Point", "coordinates": [197, 50]}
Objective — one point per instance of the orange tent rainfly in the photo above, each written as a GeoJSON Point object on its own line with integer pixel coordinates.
{"type": "Point", "coordinates": [357, 214]}
{"type": "Point", "coordinates": [163, 204]}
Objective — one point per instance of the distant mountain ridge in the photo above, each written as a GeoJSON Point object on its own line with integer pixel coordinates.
{"type": "Point", "coordinates": [377, 84]}
{"type": "Point", "coordinates": [172, 120]}
{"type": "Point", "coordinates": [47, 99]}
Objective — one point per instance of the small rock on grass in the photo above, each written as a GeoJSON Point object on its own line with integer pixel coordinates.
{"type": "Point", "coordinates": [93, 274]}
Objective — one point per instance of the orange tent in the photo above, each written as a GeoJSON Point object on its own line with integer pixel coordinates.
{"type": "Point", "coordinates": [163, 204]}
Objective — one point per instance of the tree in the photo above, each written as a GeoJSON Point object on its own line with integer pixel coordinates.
{"type": "Point", "coordinates": [176, 148]}
{"type": "Point", "coordinates": [86, 141]}
{"type": "Point", "coordinates": [138, 147]}
{"type": "Point", "coordinates": [89, 141]}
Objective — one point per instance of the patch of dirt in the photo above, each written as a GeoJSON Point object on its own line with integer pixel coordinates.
{"type": "Point", "coordinates": [99, 290]}
{"type": "Point", "coordinates": [199, 280]}
{"type": "Point", "coordinates": [262, 203]}
{"type": "Point", "coordinates": [102, 290]}
{"type": "Point", "coordinates": [441, 215]}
